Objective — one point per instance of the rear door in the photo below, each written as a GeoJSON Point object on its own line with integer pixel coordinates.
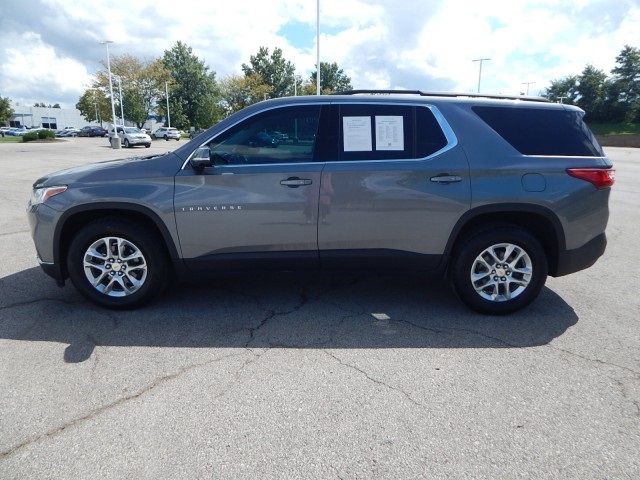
{"type": "Point", "coordinates": [257, 207]}
{"type": "Point", "coordinates": [395, 189]}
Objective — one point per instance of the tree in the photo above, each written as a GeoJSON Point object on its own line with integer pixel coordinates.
{"type": "Point", "coordinates": [626, 77]}
{"type": "Point", "coordinates": [564, 87]}
{"type": "Point", "coordinates": [5, 110]}
{"type": "Point", "coordinates": [238, 92]}
{"type": "Point", "coordinates": [94, 105]}
{"type": "Point", "coordinates": [193, 95]}
{"type": "Point", "coordinates": [275, 70]}
{"type": "Point", "coordinates": [142, 85]}
{"type": "Point", "coordinates": [332, 79]}
{"type": "Point", "coordinates": [592, 93]}
{"type": "Point", "coordinates": [56, 105]}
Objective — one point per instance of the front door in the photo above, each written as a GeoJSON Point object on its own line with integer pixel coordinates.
{"type": "Point", "coordinates": [258, 205]}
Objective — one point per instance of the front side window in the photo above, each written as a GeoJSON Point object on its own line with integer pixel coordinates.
{"type": "Point", "coordinates": [282, 135]}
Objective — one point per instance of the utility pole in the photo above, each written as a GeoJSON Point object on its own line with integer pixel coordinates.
{"type": "Point", "coordinates": [166, 91]}
{"type": "Point", "coordinates": [481, 60]}
{"type": "Point", "coordinates": [527, 84]}
{"type": "Point", "coordinates": [317, 47]}
{"type": "Point", "coordinates": [115, 140]}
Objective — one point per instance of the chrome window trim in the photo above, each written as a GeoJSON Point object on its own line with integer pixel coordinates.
{"type": "Point", "coordinates": [450, 136]}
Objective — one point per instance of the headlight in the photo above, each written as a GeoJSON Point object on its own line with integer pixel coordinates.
{"type": "Point", "coordinates": [41, 195]}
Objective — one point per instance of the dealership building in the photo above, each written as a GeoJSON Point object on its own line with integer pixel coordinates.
{"type": "Point", "coordinates": [47, 117]}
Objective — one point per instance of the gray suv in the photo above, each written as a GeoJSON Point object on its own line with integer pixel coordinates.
{"type": "Point", "coordinates": [493, 192]}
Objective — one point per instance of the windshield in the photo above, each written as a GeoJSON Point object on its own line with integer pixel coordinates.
{"type": "Point", "coordinates": [131, 130]}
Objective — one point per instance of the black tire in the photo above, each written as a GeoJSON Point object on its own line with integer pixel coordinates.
{"type": "Point", "coordinates": [466, 254]}
{"type": "Point", "coordinates": [178, 139]}
{"type": "Point", "coordinates": [147, 241]}
{"type": "Point", "coordinates": [166, 138]}
{"type": "Point", "coordinates": [126, 143]}
{"type": "Point", "coordinates": [147, 145]}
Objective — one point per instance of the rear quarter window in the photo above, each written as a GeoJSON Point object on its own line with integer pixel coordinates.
{"type": "Point", "coordinates": [541, 131]}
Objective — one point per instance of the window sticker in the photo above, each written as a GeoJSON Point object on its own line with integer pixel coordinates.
{"type": "Point", "coordinates": [356, 134]}
{"type": "Point", "coordinates": [389, 132]}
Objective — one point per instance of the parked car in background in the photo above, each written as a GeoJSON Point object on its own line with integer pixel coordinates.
{"type": "Point", "coordinates": [132, 136]}
{"type": "Point", "coordinates": [68, 132]}
{"type": "Point", "coordinates": [16, 131]}
{"type": "Point", "coordinates": [167, 133]}
{"type": "Point", "coordinates": [91, 131]}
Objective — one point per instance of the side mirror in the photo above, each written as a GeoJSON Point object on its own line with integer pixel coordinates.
{"type": "Point", "coordinates": [200, 159]}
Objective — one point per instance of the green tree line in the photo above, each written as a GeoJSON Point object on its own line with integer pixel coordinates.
{"type": "Point", "coordinates": [604, 98]}
{"type": "Point", "coordinates": [197, 98]}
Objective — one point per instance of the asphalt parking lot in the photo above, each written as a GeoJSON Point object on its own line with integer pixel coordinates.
{"type": "Point", "coordinates": [279, 376]}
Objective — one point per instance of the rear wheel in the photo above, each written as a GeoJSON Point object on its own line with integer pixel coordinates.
{"type": "Point", "coordinates": [166, 137]}
{"type": "Point", "coordinates": [126, 143]}
{"type": "Point", "coordinates": [500, 270]}
{"type": "Point", "coordinates": [117, 264]}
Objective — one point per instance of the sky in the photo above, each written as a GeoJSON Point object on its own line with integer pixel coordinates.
{"type": "Point", "coordinates": [49, 49]}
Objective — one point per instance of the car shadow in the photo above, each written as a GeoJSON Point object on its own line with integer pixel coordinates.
{"type": "Point", "coordinates": [275, 310]}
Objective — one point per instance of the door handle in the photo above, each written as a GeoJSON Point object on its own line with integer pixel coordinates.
{"type": "Point", "coordinates": [446, 178]}
{"type": "Point", "coordinates": [295, 182]}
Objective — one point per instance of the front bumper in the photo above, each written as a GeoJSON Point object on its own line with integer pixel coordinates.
{"type": "Point", "coordinates": [570, 261]}
{"type": "Point", "coordinates": [42, 222]}
{"type": "Point", "coordinates": [53, 271]}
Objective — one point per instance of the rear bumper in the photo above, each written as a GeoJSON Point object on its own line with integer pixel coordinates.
{"type": "Point", "coordinates": [570, 261]}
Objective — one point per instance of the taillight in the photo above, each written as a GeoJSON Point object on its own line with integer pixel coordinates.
{"type": "Point", "coordinates": [599, 177]}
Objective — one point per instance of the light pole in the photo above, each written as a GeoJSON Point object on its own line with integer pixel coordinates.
{"type": "Point", "coordinates": [527, 84]}
{"type": "Point", "coordinates": [481, 60]}
{"type": "Point", "coordinates": [95, 105]}
{"type": "Point", "coordinates": [113, 107]}
{"type": "Point", "coordinates": [166, 91]}
{"type": "Point", "coordinates": [561, 98]}
{"type": "Point", "coordinates": [317, 47]}
{"type": "Point", "coordinates": [121, 99]}
{"type": "Point", "coordinates": [296, 79]}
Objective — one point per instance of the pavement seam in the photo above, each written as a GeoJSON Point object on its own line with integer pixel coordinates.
{"type": "Point", "coordinates": [121, 401]}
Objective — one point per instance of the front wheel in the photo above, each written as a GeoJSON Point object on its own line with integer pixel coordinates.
{"type": "Point", "coordinates": [166, 137]}
{"type": "Point", "coordinates": [117, 264]}
{"type": "Point", "coordinates": [499, 270]}
{"type": "Point", "coordinates": [126, 143]}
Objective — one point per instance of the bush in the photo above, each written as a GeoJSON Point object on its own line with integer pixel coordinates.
{"type": "Point", "coordinates": [29, 137]}
{"type": "Point", "coordinates": [42, 134]}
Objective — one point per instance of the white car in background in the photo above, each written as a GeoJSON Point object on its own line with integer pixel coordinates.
{"type": "Point", "coordinates": [132, 136]}
{"type": "Point", "coordinates": [167, 133]}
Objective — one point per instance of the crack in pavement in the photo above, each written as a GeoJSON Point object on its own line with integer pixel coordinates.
{"type": "Point", "coordinates": [36, 300]}
{"type": "Point", "coordinates": [4, 234]}
{"type": "Point", "coordinates": [513, 345]}
{"type": "Point", "coordinates": [271, 314]}
{"type": "Point", "coordinates": [372, 379]}
{"type": "Point", "coordinates": [625, 395]}
{"type": "Point", "coordinates": [121, 401]}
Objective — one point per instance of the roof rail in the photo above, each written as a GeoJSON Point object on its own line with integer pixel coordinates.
{"type": "Point", "coordinates": [443, 94]}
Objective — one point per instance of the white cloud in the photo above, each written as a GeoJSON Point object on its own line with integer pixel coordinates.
{"type": "Point", "coordinates": [38, 73]}
{"type": "Point", "coordinates": [381, 44]}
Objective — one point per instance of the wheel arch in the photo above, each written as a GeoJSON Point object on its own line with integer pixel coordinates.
{"type": "Point", "coordinates": [73, 219]}
{"type": "Point", "coordinates": [540, 221]}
